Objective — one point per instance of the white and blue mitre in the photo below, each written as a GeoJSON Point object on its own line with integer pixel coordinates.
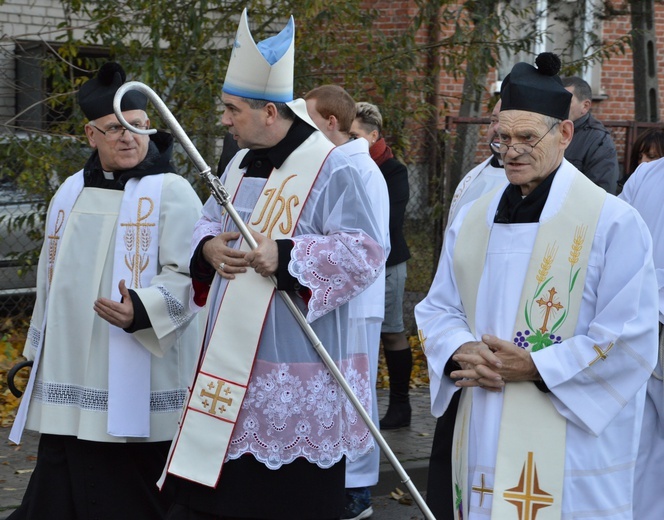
{"type": "Point", "coordinates": [264, 70]}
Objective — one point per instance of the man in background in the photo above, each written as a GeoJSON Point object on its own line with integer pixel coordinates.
{"type": "Point", "coordinates": [592, 149]}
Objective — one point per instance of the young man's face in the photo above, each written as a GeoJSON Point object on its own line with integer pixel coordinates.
{"type": "Point", "coordinates": [119, 149]}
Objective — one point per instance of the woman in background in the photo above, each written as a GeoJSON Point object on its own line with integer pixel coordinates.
{"type": "Point", "coordinates": [648, 146]}
{"type": "Point", "coordinates": [368, 124]}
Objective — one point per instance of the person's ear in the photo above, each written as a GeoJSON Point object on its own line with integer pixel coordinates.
{"type": "Point", "coordinates": [587, 103]}
{"type": "Point", "coordinates": [271, 113]}
{"type": "Point", "coordinates": [90, 134]}
{"type": "Point", "coordinates": [332, 123]}
{"type": "Point", "coordinates": [566, 132]}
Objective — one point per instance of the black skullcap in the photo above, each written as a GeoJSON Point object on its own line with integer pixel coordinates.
{"type": "Point", "coordinates": [96, 95]}
{"type": "Point", "coordinates": [538, 90]}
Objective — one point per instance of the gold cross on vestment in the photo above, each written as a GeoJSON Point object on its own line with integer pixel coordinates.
{"type": "Point", "coordinates": [216, 397]}
{"type": "Point", "coordinates": [138, 240]}
{"type": "Point", "coordinates": [422, 339]}
{"type": "Point", "coordinates": [527, 495]}
{"type": "Point", "coordinates": [53, 242]}
{"type": "Point", "coordinates": [482, 490]}
{"type": "Point", "coordinates": [601, 354]}
{"type": "Point", "coordinates": [550, 305]}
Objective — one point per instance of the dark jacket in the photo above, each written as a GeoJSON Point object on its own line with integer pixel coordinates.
{"type": "Point", "coordinates": [396, 177]}
{"type": "Point", "coordinates": [592, 151]}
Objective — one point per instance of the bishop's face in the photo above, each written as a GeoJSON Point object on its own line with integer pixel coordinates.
{"type": "Point", "coordinates": [246, 124]}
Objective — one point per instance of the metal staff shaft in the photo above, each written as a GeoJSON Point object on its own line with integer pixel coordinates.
{"type": "Point", "coordinates": [221, 195]}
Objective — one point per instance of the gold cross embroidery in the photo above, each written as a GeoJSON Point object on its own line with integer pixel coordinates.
{"type": "Point", "coordinates": [216, 397]}
{"type": "Point", "coordinates": [550, 305]}
{"type": "Point", "coordinates": [527, 496]}
{"type": "Point", "coordinates": [601, 354]}
{"type": "Point", "coordinates": [53, 243]}
{"type": "Point", "coordinates": [422, 339]}
{"type": "Point", "coordinates": [137, 239]}
{"type": "Point", "coordinates": [482, 490]}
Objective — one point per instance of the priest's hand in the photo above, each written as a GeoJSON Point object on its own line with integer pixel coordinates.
{"type": "Point", "coordinates": [265, 258]}
{"type": "Point", "coordinates": [516, 363]}
{"type": "Point", "coordinates": [120, 314]}
{"type": "Point", "coordinates": [227, 261]}
{"type": "Point", "coordinates": [479, 367]}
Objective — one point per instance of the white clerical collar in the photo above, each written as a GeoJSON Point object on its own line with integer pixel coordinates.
{"type": "Point", "coordinates": [109, 176]}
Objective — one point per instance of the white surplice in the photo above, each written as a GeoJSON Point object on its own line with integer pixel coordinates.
{"type": "Point", "coordinates": [478, 181]}
{"type": "Point", "coordinates": [602, 402]}
{"type": "Point", "coordinates": [71, 389]}
{"type": "Point", "coordinates": [370, 304]}
{"type": "Point", "coordinates": [643, 191]}
{"type": "Point", "coordinates": [293, 407]}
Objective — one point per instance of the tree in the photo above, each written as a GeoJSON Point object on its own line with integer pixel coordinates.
{"type": "Point", "coordinates": [180, 48]}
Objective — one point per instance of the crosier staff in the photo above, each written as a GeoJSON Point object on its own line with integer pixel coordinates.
{"type": "Point", "coordinates": [221, 195]}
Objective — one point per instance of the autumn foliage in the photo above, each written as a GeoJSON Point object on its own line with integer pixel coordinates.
{"type": "Point", "coordinates": [13, 331]}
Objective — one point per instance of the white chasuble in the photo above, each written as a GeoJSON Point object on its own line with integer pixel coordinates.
{"type": "Point", "coordinates": [136, 259]}
{"type": "Point", "coordinates": [529, 467]}
{"type": "Point", "coordinates": [71, 391]}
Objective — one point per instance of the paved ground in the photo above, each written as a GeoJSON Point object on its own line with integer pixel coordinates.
{"type": "Point", "coordinates": [410, 445]}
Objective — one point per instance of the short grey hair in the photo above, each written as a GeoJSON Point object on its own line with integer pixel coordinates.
{"type": "Point", "coordinates": [369, 115]}
{"type": "Point", "coordinates": [282, 108]}
{"type": "Point", "coordinates": [582, 89]}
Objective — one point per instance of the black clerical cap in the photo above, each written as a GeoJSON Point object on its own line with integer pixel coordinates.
{"type": "Point", "coordinates": [536, 89]}
{"type": "Point", "coordinates": [96, 95]}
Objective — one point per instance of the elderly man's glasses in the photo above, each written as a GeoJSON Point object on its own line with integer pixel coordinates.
{"type": "Point", "coordinates": [520, 148]}
{"type": "Point", "coordinates": [115, 132]}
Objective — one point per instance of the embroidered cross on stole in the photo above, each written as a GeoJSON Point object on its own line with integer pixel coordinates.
{"type": "Point", "coordinates": [224, 372]}
{"type": "Point", "coordinates": [530, 460]}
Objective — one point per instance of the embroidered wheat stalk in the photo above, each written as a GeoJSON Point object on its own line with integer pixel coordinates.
{"type": "Point", "coordinates": [577, 244]}
{"type": "Point", "coordinates": [547, 261]}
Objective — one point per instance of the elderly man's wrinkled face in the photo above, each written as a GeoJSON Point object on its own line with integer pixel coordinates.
{"type": "Point", "coordinates": [547, 144]}
{"type": "Point", "coordinates": [119, 149]}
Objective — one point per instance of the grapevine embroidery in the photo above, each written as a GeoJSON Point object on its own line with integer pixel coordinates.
{"type": "Point", "coordinates": [538, 338]}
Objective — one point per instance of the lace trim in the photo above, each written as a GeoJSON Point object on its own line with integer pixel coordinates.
{"type": "Point", "coordinates": [176, 310]}
{"type": "Point", "coordinates": [336, 268]}
{"type": "Point", "coordinates": [285, 416]}
{"type": "Point", "coordinates": [33, 339]}
{"type": "Point", "coordinates": [86, 398]}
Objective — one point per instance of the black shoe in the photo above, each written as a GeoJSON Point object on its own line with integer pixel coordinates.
{"type": "Point", "coordinates": [397, 416]}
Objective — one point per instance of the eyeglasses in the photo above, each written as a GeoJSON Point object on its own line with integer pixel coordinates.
{"type": "Point", "coordinates": [115, 132]}
{"type": "Point", "coordinates": [520, 148]}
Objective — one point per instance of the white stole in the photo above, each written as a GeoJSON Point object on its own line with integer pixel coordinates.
{"type": "Point", "coordinates": [531, 445]}
{"type": "Point", "coordinates": [136, 260]}
{"type": "Point", "coordinates": [55, 227]}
